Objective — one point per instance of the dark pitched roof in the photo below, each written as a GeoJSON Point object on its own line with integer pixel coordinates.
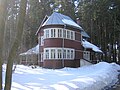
{"type": "Point", "coordinates": [57, 18]}
{"type": "Point", "coordinates": [60, 19]}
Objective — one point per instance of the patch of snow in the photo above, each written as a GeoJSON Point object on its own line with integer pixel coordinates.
{"type": "Point", "coordinates": [87, 44]}
{"type": "Point", "coordinates": [34, 50]}
{"type": "Point", "coordinates": [70, 22]}
{"type": "Point", "coordinates": [93, 77]}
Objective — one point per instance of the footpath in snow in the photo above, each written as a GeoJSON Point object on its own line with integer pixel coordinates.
{"type": "Point", "coordinates": [94, 77]}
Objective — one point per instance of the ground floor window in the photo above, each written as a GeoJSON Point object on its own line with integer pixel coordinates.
{"type": "Point", "coordinates": [59, 53]}
{"type": "Point", "coordinates": [86, 55]}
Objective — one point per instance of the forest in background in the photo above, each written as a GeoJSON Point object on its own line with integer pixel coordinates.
{"type": "Point", "coordinates": [99, 18]}
{"type": "Point", "coordinates": [20, 19]}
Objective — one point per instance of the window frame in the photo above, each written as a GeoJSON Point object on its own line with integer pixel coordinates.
{"type": "Point", "coordinates": [59, 33]}
{"type": "Point", "coordinates": [59, 53]}
{"type": "Point", "coordinates": [86, 55]}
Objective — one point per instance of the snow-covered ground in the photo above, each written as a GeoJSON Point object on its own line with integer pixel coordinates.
{"type": "Point", "coordinates": [93, 77]}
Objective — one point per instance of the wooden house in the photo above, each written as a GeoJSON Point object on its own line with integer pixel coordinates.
{"type": "Point", "coordinates": [61, 42]}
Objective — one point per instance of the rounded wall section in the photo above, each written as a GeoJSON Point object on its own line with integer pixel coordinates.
{"type": "Point", "coordinates": [70, 42]}
{"type": "Point", "coordinates": [57, 64]}
{"type": "Point", "coordinates": [53, 42]}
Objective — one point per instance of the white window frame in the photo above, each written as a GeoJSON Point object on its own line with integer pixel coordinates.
{"type": "Point", "coordinates": [52, 53]}
{"type": "Point", "coordinates": [41, 56]}
{"type": "Point", "coordinates": [86, 55]}
{"type": "Point", "coordinates": [68, 34]}
{"type": "Point", "coordinates": [42, 40]}
{"type": "Point", "coordinates": [46, 54]}
{"type": "Point", "coordinates": [59, 33]}
{"type": "Point", "coordinates": [59, 53]}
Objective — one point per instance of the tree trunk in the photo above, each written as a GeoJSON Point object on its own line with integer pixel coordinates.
{"type": "Point", "coordinates": [20, 25]}
{"type": "Point", "coordinates": [3, 12]}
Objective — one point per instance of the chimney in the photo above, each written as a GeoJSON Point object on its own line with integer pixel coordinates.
{"type": "Point", "coordinates": [78, 21]}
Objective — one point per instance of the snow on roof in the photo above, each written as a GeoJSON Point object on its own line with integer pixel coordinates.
{"type": "Point", "coordinates": [60, 19]}
{"type": "Point", "coordinates": [87, 44]}
{"type": "Point", "coordinates": [34, 50]}
{"type": "Point", "coordinates": [57, 18]}
{"type": "Point", "coordinates": [85, 34]}
{"type": "Point", "coordinates": [70, 22]}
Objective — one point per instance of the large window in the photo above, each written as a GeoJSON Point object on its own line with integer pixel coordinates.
{"type": "Point", "coordinates": [58, 53]}
{"type": "Point", "coordinates": [68, 34]}
{"type": "Point", "coordinates": [59, 33]}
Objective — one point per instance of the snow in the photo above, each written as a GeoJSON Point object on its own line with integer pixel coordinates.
{"type": "Point", "coordinates": [70, 22]}
{"type": "Point", "coordinates": [87, 44]}
{"type": "Point", "coordinates": [93, 77]}
{"type": "Point", "coordinates": [34, 50]}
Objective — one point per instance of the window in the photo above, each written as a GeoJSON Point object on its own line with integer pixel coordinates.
{"type": "Point", "coordinates": [42, 41]}
{"type": "Point", "coordinates": [47, 33]}
{"type": "Point", "coordinates": [52, 53]}
{"type": "Point", "coordinates": [72, 55]}
{"type": "Point", "coordinates": [47, 54]}
{"type": "Point", "coordinates": [59, 33]}
{"type": "Point", "coordinates": [64, 33]}
{"type": "Point", "coordinates": [68, 34]}
{"type": "Point", "coordinates": [64, 54]}
{"type": "Point", "coordinates": [68, 54]}
{"type": "Point", "coordinates": [59, 53]}
{"type": "Point", "coordinates": [52, 33]}
{"type": "Point", "coordinates": [86, 55]}
{"type": "Point", "coordinates": [71, 35]}
{"type": "Point", "coordinates": [41, 56]}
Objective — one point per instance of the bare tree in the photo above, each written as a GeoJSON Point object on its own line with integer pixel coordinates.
{"type": "Point", "coordinates": [3, 12]}
{"type": "Point", "coordinates": [16, 44]}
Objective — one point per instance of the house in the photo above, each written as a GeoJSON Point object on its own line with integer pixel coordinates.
{"type": "Point", "coordinates": [61, 42]}
{"type": "Point", "coordinates": [30, 57]}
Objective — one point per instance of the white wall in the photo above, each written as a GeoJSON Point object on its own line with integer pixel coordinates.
{"type": "Point", "coordinates": [84, 62]}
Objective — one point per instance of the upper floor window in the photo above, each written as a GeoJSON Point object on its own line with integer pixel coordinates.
{"type": "Point", "coordinates": [59, 33]}
{"type": "Point", "coordinates": [42, 41]}
{"type": "Point", "coordinates": [68, 34]}
{"type": "Point", "coordinates": [47, 33]}
{"type": "Point", "coordinates": [72, 35]}
{"type": "Point", "coordinates": [64, 33]}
